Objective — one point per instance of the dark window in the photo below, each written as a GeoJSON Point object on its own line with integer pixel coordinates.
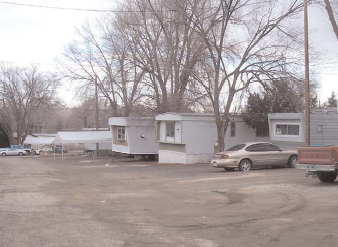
{"type": "Point", "coordinates": [262, 131]}
{"type": "Point", "coordinates": [256, 148]}
{"type": "Point", "coordinates": [237, 147]}
{"type": "Point", "coordinates": [170, 129]}
{"type": "Point", "coordinates": [271, 147]}
{"type": "Point", "coordinates": [233, 129]}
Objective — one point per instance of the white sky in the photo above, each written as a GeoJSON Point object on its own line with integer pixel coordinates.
{"type": "Point", "coordinates": [37, 35]}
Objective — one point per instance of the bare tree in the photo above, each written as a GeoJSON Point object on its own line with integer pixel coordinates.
{"type": "Point", "coordinates": [164, 43]}
{"type": "Point", "coordinates": [24, 92]}
{"type": "Point", "coordinates": [104, 58]}
{"type": "Point", "coordinates": [85, 111]}
{"type": "Point", "coordinates": [331, 13]}
{"type": "Point", "coordinates": [246, 41]}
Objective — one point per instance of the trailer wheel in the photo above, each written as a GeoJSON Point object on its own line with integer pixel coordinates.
{"type": "Point", "coordinates": [327, 177]}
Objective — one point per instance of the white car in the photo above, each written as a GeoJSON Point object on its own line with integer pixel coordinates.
{"type": "Point", "coordinates": [13, 152]}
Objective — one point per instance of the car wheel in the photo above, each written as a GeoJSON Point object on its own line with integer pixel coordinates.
{"type": "Point", "coordinates": [20, 154]}
{"type": "Point", "coordinates": [3, 154]}
{"type": "Point", "coordinates": [229, 169]}
{"type": "Point", "coordinates": [293, 160]}
{"type": "Point", "coordinates": [327, 177]}
{"type": "Point", "coordinates": [245, 165]}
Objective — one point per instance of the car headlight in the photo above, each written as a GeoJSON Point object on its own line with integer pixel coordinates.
{"type": "Point", "coordinates": [224, 156]}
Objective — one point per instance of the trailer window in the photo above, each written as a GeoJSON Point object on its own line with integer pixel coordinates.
{"type": "Point", "coordinates": [170, 129]}
{"type": "Point", "coordinates": [287, 129]}
{"type": "Point", "coordinates": [121, 134]}
{"type": "Point", "coordinates": [233, 129]}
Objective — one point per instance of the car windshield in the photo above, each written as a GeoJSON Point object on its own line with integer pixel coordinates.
{"type": "Point", "coordinates": [237, 147]}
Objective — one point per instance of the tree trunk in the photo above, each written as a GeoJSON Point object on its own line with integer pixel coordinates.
{"type": "Point", "coordinates": [221, 126]}
{"type": "Point", "coordinates": [331, 17]}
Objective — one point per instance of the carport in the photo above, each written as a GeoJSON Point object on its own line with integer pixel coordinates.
{"type": "Point", "coordinates": [38, 140]}
{"type": "Point", "coordinates": [80, 137]}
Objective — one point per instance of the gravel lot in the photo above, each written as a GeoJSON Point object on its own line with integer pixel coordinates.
{"type": "Point", "coordinates": [86, 203]}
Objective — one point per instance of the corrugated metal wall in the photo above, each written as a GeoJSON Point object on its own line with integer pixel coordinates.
{"type": "Point", "coordinates": [328, 123]}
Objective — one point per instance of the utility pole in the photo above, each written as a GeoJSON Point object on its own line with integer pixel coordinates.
{"type": "Point", "coordinates": [96, 115]}
{"type": "Point", "coordinates": [307, 77]}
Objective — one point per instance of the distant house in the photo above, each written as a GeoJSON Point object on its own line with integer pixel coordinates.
{"type": "Point", "coordinates": [189, 138]}
{"type": "Point", "coordinates": [133, 135]}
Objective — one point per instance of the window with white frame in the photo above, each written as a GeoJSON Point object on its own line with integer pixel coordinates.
{"type": "Point", "coordinates": [287, 129]}
{"type": "Point", "coordinates": [170, 129]}
{"type": "Point", "coordinates": [121, 134]}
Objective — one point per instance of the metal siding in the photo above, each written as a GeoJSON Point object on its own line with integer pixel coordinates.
{"type": "Point", "coordinates": [243, 134]}
{"type": "Point", "coordinates": [199, 136]}
{"type": "Point", "coordinates": [138, 145]}
{"type": "Point", "coordinates": [329, 135]}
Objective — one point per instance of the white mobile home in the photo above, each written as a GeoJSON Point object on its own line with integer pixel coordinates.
{"type": "Point", "coordinates": [189, 138]}
{"type": "Point", "coordinates": [186, 138]}
{"type": "Point", "coordinates": [133, 135]}
{"type": "Point", "coordinates": [287, 129]}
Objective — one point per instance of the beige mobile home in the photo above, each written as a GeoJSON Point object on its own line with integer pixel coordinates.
{"type": "Point", "coordinates": [133, 135]}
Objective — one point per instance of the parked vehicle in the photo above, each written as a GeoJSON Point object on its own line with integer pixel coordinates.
{"type": "Point", "coordinates": [12, 147]}
{"type": "Point", "coordinates": [37, 151]}
{"type": "Point", "coordinates": [13, 152]}
{"type": "Point", "coordinates": [321, 162]}
{"type": "Point", "coordinates": [28, 150]}
{"type": "Point", "coordinates": [254, 154]}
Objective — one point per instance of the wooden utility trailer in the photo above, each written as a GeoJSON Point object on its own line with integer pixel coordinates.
{"type": "Point", "coordinates": [321, 162]}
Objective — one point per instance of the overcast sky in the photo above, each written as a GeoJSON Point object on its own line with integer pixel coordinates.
{"type": "Point", "coordinates": [37, 35]}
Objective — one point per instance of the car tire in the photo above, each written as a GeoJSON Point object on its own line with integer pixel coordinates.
{"type": "Point", "coordinates": [3, 154]}
{"type": "Point", "coordinates": [229, 169]}
{"type": "Point", "coordinates": [20, 154]}
{"type": "Point", "coordinates": [245, 165]}
{"type": "Point", "coordinates": [327, 177]}
{"type": "Point", "coordinates": [293, 160]}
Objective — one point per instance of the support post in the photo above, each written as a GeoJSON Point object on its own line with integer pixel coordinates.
{"type": "Point", "coordinates": [307, 76]}
{"type": "Point", "coordinates": [97, 115]}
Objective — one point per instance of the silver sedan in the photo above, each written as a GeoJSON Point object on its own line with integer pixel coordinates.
{"type": "Point", "coordinates": [254, 154]}
{"type": "Point", "coordinates": [13, 152]}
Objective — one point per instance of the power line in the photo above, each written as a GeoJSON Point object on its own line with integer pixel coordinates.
{"type": "Point", "coordinates": [79, 9]}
